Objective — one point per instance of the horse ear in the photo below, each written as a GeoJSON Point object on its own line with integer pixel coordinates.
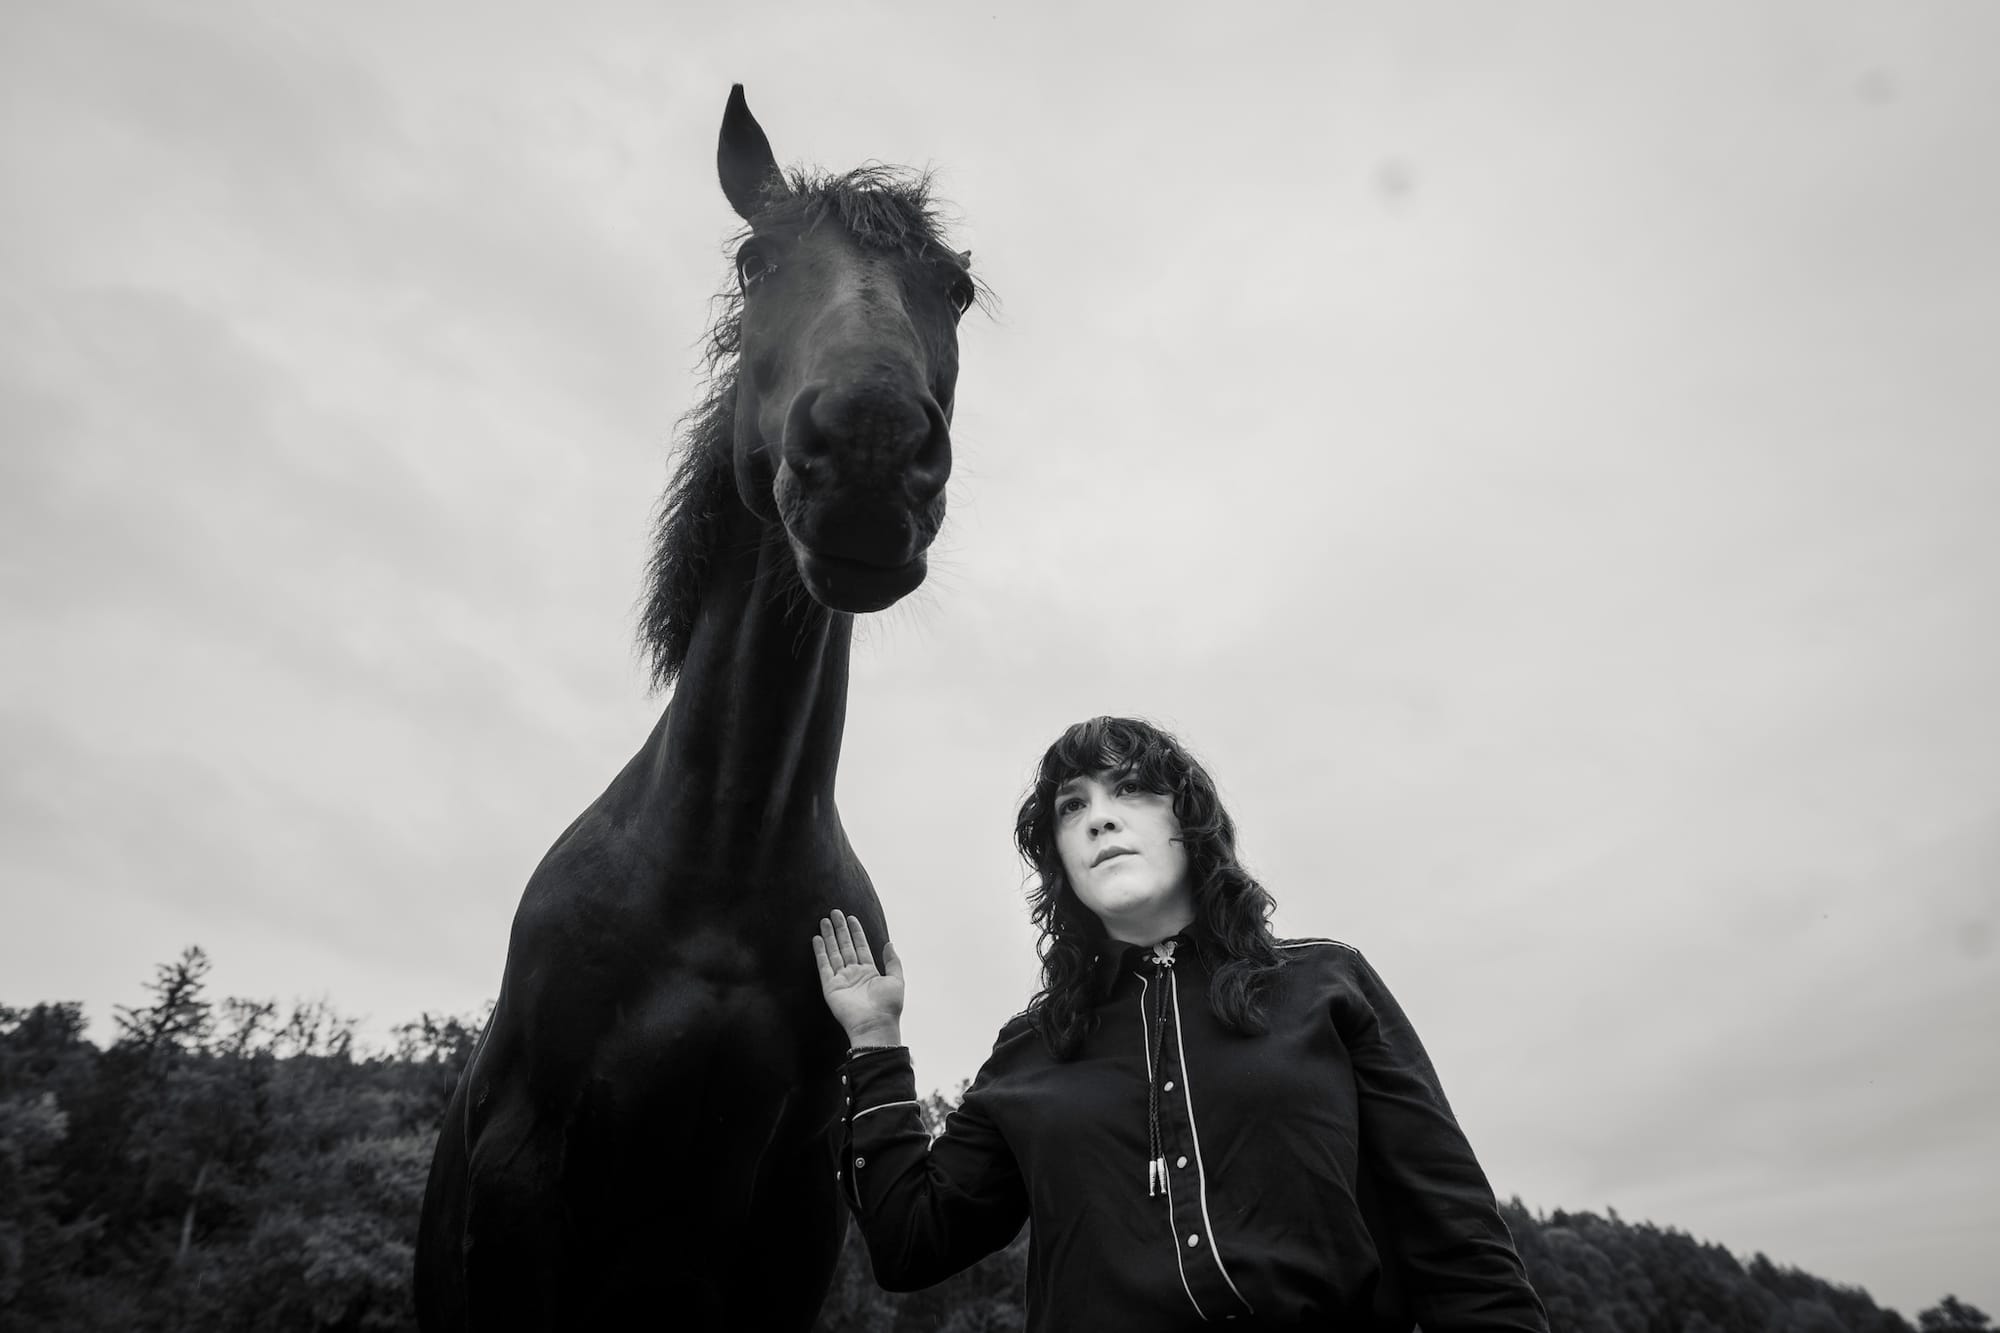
{"type": "Point", "coordinates": [965, 258]}
{"type": "Point", "coordinates": [743, 160]}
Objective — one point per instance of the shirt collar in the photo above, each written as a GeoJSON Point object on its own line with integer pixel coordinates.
{"type": "Point", "coordinates": [1115, 959]}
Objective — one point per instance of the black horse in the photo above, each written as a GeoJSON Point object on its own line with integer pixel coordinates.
{"type": "Point", "coordinates": [642, 1136]}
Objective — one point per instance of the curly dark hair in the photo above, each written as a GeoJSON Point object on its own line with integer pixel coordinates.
{"type": "Point", "coordinates": [1232, 926]}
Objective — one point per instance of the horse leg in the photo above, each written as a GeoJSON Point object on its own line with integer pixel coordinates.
{"type": "Point", "coordinates": [799, 1221]}
{"type": "Point", "coordinates": [440, 1271]}
{"type": "Point", "coordinates": [519, 1239]}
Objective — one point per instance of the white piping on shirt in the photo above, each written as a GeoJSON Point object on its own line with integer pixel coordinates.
{"type": "Point", "coordinates": [1307, 944]}
{"type": "Point", "coordinates": [883, 1107]}
{"type": "Point", "coordinates": [1173, 1227]}
{"type": "Point", "coordinates": [1201, 1170]}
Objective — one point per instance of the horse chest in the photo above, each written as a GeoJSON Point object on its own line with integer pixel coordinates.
{"type": "Point", "coordinates": [701, 1082]}
{"type": "Point", "coordinates": [716, 1012]}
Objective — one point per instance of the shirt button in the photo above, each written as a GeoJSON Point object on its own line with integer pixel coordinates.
{"type": "Point", "coordinates": [1169, 1087]}
{"type": "Point", "coordinates": [860, 1162]}
{"type": "Point", "coordinates": [1180, 1161]}
{"type": "Point", "coordinates": [1193, 1241]}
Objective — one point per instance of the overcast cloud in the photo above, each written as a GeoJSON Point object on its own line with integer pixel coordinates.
{"type": "Point", "coordinates": [1543, 457]}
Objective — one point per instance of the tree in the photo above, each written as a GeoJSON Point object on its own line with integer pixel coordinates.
{"type": "Point", "coordinates": [30, 1129]}
{"type": "Point", "coordinates": [180, 1018]}
{"type": "Point", "coordinates": [1951, 1315]}
{"type": "Point", "coordinates": [435, 1050]}
{"type": "Point", "coordinates": [36, 1042]}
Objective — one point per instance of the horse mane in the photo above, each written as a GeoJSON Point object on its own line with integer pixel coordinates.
{"type": "Point", "coordinates": [882, 208]}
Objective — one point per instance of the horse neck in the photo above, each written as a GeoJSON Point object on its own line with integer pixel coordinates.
{"type": "Point", "coordinates": [749, 746]}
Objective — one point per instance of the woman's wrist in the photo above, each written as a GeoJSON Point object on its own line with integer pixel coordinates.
{"type": "Point", "coordinates": [878, 1034]}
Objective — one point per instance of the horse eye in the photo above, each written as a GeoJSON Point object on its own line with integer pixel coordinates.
{"type": "Point", "coordinates": [960, 296]}
{"type": "Point", "coordinates": [751, 265]}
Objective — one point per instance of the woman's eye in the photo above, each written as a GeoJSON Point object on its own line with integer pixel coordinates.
{"type": "Point", "coordinates": [1069, 806]}
{"type": "Point", "coordinates": [1130, 787]}
{"type": "Point", "coordinates": [751, 265]}
{"type": "Point", "coordinates": [961, 296]}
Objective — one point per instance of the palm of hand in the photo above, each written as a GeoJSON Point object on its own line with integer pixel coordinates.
{"type": "Point", "coordinates": [860, 995]}
{"type": "Point", "coordinates": [857, 992]}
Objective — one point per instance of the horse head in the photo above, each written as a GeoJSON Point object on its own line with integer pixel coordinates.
{"type": "Point", "coordinates": [847, 358]}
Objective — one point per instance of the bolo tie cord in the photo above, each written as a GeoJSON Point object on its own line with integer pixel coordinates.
{"type": "Point", "coordinates": [1156, 1163]}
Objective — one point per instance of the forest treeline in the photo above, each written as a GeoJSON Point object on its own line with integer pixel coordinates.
{"type": "Point", "coordinates": [228, 1165]}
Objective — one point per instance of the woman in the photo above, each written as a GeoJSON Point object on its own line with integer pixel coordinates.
{"type": "Point", "coordinates": [1204, 1124]}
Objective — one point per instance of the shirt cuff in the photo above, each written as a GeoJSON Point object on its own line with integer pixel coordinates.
{"type": "Point", "coordinates": [877, 1078]}
{"type": "Point", "coordinates": [881, 1081]}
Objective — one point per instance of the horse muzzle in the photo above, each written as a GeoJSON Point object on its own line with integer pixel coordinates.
{"type": "Point", "coordinates": [855, 585]}
{"type": "Point", "coordinates": [860, 488]}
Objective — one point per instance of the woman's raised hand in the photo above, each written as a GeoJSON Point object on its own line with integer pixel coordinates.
{"type": "Point", "coordinates": [865, 1000]}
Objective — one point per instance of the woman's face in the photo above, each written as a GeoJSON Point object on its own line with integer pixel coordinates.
{"type": "Point", "coordinates": [1120, 846]}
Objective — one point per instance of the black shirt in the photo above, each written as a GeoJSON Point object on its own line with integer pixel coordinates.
{"type": "Point", "coordinates": [1314, 1176]}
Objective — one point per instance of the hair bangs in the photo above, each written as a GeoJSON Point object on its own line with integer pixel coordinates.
{"type": "Point", "coordinates": [1114, 745]}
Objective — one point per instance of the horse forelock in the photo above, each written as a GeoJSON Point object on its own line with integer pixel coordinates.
{"type": "Point", "coordinates": [883, 208]}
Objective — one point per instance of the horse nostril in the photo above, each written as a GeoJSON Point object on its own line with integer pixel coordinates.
{"type": "Point", "coordinates": [861, 429]}
{"type": "Point", "coordinates": [805, 443]}
{"type": "Point", "coordinates": [930, 468]}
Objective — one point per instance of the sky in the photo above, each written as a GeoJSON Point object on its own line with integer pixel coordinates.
{"type": "Point", "coordinates": [1542, 458]}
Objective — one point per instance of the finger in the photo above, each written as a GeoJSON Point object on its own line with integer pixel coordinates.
{"type": "Point", "coordinates": [861, 949]}
{"type": "Point", "coordinates": [892, 961]}
{"type": "Point", "coordinates": [848, 955]}
{"type": "Point", "coordinates": [820, 958]}
{"type": "Point", "coordinates": [832, 944]}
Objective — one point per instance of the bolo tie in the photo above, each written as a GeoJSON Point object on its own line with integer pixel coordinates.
{"type": "Point", "coordinates": [1156, 1162]}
